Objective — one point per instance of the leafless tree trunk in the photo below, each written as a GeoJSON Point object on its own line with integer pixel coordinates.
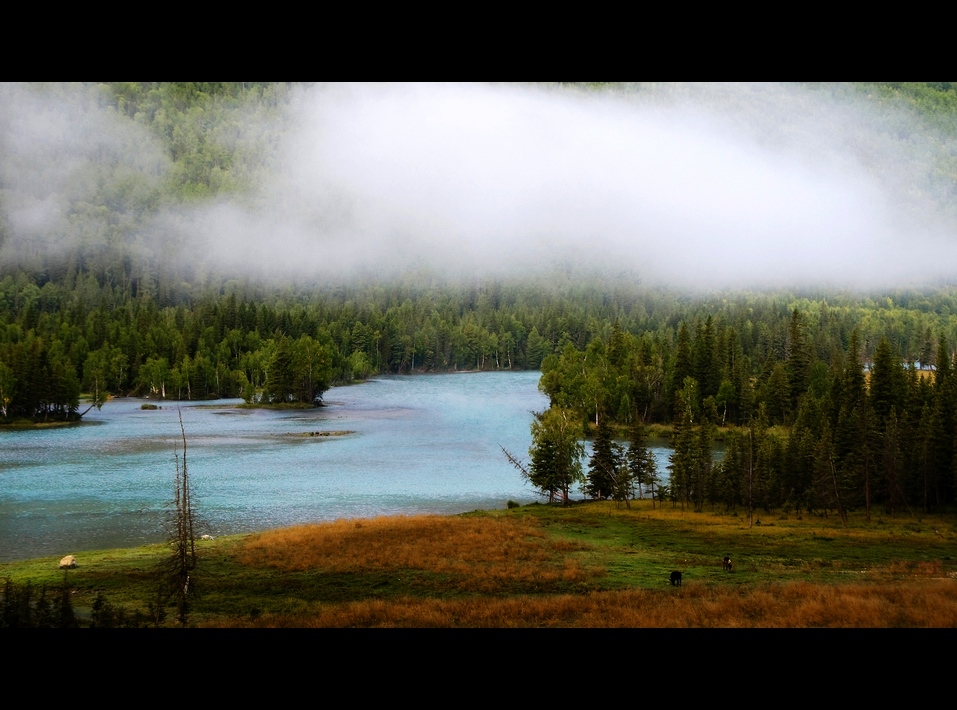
{"type": "Point", "coordinates": [180, 526]}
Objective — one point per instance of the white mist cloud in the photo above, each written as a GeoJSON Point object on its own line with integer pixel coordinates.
{"type": "Point", "coordinates": [692, 186]}
{"type": "Point", "coordinates": [495, 180]}
{"type": "Point", "coordinates": [59, 147]}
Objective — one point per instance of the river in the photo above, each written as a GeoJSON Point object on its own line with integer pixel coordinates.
{"type": "Point", "coordinates": [418, 444]}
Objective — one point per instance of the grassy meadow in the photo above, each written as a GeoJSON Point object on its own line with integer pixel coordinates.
{"type": "Point", "coordinates": [588, 565]}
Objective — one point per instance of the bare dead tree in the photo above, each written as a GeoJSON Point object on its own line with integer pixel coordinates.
{"type": "Point", "coordinates": [512, 459]}
{"type": "Point", "coordinates": [523, 469]}
{"type": "Point", "coordinates": [181, 523]}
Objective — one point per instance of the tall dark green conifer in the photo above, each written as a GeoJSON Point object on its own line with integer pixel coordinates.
{"type": "Point", "coordinates": [683, 367]}
{"type": "Point", "coordinates": [683, 459]}
{"type": "Point", "coordinates": [603, 465]}
{"type": "Point", "coordinates": [556, 452]}
{"type": "Point", "coordinates": [778, 396]}
{"type": "Point", "coordinates": [856, 435]}
{"type": "Point", "coordinates": [887, 383]}
{"type": "Point", "coordinates": [641, 462]}
{"type": "Point", "coordinates": [891, 460]}
{"type": "Point", "coordinates": [707, 364]}
{"type": "Point", "coordinates": [704, 483]}
{"type": "Point", "coordinates": [280, 378]}
{"type": "Point", "coordinates": [798, 357]}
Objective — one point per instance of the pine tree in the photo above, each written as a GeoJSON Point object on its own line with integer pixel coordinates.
{"type": "Point", "coordinates": [827, 485]}
{"type": "Point", "coordinates": [778, 397]}
{"type": "Point", "coordinates": [683, 459]}
{"type": "Point", "coordinates": [641, 462]}
{"type": "Point", "coordinates": [732, 473]}
{"type": "Point", "coordinates": [603, 464]}
{"type": "Point", "coordinates": [887, 385]}
{"type": "Point", "coordinates": [707, 365]}
{"type": "Point", "coordinates": [891, 459]}
{"type": "Point", "coordinates": [943, 363]}
{"type": "Point", "coordinates": [617, 346]}
{"type": "Point", "coordinates": [64, 616]}
{"type": "Point", "coordinates": [280, 378]}
{"type": "Point", "coordinates": [704, 465]}
{"type": "Point", "coordinates": [856, 436]}
{"type": "Point", "coordinates": [43, 617]}
{"type": "Point", "coordinates": [798, 357]}
{"type": "Point", "coordinates": [103, 614]}
{"type": "Point", "coordinates": [556, 452]}
{"type": "Point", "coordinates": [623, 483]}
{"type": "Point", "coordinates": [683, 367]}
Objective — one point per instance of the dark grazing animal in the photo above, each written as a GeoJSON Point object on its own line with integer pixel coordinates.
{"type": "Point", "coordinates": [727, 563]}
{"type": "Point", "coordinates": [676, 579]}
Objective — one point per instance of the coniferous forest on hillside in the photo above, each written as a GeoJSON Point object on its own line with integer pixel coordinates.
{"type": "Point", "coordinates": [827, 398]}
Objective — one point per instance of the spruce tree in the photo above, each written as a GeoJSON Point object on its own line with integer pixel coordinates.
{"type": "Point", "coordinates": [43, 617]}
{"type": "Point", "coordinates": [703, 464]}
{"type": "Point", "coordinates": [798, 357]}
{"type": "Point", "coordinates": [683, 459]}
{"type": "Point", "coordinates": [280, 378]}
{"type": "Point", "coordinates": [603, 464]}
{"type": "Point", "coordinates": [64, 616]}
{"type": "Point", "coordinates": [683, 367]}
{"type": "Point", "coordinates": [623, 483]}
{"type": "Point", "coordinates": [707, 364]}
{"type": "Point", "coordinates": [888, 383]}
{"type": "Point", "coordinates": [556, 452]}
{"type": "Point", "coordinates": [641, 462]}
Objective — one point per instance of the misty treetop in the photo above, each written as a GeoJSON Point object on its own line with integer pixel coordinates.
{"type": "Point", "coordinates": [609, 348]}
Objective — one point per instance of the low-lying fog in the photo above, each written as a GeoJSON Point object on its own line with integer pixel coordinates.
{"type": "Point", "coordinates": [692, 186]}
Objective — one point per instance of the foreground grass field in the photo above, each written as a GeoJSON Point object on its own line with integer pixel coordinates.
{"type": "Point", "coordinates": [590, 564]}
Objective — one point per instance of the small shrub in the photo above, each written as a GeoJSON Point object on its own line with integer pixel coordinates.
{"type": "Point", "coordinates": [105, 615]}
{"type": "Point", "coordinates": [64, 616]}
{"type": "Point", "coordinates": [512, 504]}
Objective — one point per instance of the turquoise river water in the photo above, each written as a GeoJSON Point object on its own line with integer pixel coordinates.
{"type": "Point", "coordinates": [419, 444]}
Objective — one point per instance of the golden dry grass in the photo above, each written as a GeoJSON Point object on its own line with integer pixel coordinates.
{"type": "Point", "coordinates": [926, 604]}
{"type": "Point", "coordinates": [481, 554]}
{"type": "Point", "coordinates": [487, 556]}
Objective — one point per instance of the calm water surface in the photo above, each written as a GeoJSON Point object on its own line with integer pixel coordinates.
{"type": "Point", "coordinates": [421, 444]}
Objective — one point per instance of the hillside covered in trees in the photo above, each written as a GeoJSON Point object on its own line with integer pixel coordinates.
{"type": "Point", "coordinates": [841, 395]}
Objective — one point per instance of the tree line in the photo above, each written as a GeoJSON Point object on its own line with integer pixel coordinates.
{"type": "Point", "coordinates": [609, 347]}
{"type": "Point", "coordinates": [76, 333]}
{"type": "Point", "coordinates": [812, 423]}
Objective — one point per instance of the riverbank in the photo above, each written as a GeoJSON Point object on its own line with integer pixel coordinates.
{"type": "Point", "coordinates": [590, 564]}
{"type": "Point", "coordinates": [17, 424]}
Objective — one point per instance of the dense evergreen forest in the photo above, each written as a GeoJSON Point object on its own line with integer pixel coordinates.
{"type": "Point", "coordinates": [835, 399]}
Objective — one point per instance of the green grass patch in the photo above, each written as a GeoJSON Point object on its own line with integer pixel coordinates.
{"type": "Point", "coordinates": [603, 547]}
